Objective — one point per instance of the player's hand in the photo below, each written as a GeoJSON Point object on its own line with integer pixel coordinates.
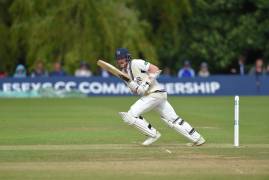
{"type": "Point", "coordinates": [153, 76]}
{"type": "Point", "coordinates": [142, 88]}
{"type": "Point", "coordinates": [133, 86]}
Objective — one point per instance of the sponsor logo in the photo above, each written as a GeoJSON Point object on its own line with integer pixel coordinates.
{"type": "Point", "coordinates": [192, 87]}
{"type": "Point", "coordinates": [111, 88]}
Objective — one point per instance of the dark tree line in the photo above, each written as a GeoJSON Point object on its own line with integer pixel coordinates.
{"type": "Point", "coordinates": [164, 32]}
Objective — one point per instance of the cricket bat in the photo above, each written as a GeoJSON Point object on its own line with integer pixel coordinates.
{"type": "Point", "coordinates": [113, 70]}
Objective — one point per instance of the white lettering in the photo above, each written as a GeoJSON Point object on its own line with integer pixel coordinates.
{"type": "Point", "coordinates": [6, 87]}
{"type": "Point", "coordinates": [207, 88]}
{"type": "Point", "coordinates": [25, 86]}
{"type": "Point", "coordinates": [96, 88]}
{"type": "Point", "coordinates": [16, 87]}
{"type": "Point", "coordinates": [59, 85]}
{"type": "Point", "coordinates": [47, 85]}
{"type": "Point", "coordinates": [179, 88]}
{"type": "Point", "coordinates": [170, 88]}
{"type": "Point", "coordinates": [123, 88]}
{"type": "Point", "coordinates": [215, 86]}
{"type": "Point", "coordinates": [35, 86]}
{"type": "Point", "coordinates": [192, 88]}
{"type": "Point", "coordinates": [189, 87]}
{"type": "Point", "coordinates": [70, 85]}
{"type": "Point", "coordinates": [111, 88]}
{"type": "Point", "coordinates": [84, 87]}
{"type": "Point", "coordinates": [199, 87]}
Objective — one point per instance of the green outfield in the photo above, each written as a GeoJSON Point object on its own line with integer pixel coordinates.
{"type": "Point", "coordinates": [84, 138]}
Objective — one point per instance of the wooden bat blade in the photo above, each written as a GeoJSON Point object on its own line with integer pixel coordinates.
{"type": "Point", "coordinates": [113, 70]}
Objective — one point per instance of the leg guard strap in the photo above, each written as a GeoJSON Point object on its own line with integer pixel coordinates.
{"type": "Point", "coordinates": [183, 128]}
{"type": "Point", "coordinates": [140, 123]}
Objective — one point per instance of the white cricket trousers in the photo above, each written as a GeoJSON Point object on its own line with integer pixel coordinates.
{"type": "Point", "coordinates": [158, 102]}
{"type": "Point", "coordinates": [154, 101]}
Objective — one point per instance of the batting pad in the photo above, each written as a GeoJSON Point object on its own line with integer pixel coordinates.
{"type": "Point", "coordinates": [184, 128]}
{"type": "Point", "coordinates": [141, 124]}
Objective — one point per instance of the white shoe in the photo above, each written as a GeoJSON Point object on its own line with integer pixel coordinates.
{"type": "Point", "coordinates": [200, 142]}
{"type": "Point", "coordinates": [151, 140]}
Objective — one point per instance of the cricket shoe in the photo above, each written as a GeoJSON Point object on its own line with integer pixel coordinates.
{"type": "Point", "coordinates": [200, 142]}
{"type": "Point", "coordinates": [151, 140]}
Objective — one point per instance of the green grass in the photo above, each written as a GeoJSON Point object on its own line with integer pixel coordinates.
{"type": "Point", "coordinates": [86, 139]}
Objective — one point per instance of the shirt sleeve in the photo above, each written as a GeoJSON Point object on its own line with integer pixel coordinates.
{"type": "Point", "coordinates": [143, 65]}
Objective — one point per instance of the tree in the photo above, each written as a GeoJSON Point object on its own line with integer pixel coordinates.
{"type": "Point", "coordinates": [219, 31]}
{"type": "Point", "coordinates": [71, 30]}
{"type": "Point", "coordinates": [164, 32]}
{"type": "Point", "coordinates": [166, 18]}
{"type": "Point", "coordinates": [6, 63]}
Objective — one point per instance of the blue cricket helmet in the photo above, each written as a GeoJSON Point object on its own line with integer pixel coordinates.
{"type": "Point", "coordinates": [122, 53]}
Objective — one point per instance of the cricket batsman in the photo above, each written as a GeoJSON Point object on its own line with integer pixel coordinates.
{"type": "Point", "coordinates": [153, 97]}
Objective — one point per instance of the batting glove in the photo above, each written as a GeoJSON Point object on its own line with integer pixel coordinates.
{"type": "Point", "coordinates": [142, 88]}
{"type": "Point", "coordinates": [133, 86]}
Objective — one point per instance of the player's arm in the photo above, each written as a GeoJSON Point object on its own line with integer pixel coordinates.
{"type": "Point", "coordinates": [152, 71]}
